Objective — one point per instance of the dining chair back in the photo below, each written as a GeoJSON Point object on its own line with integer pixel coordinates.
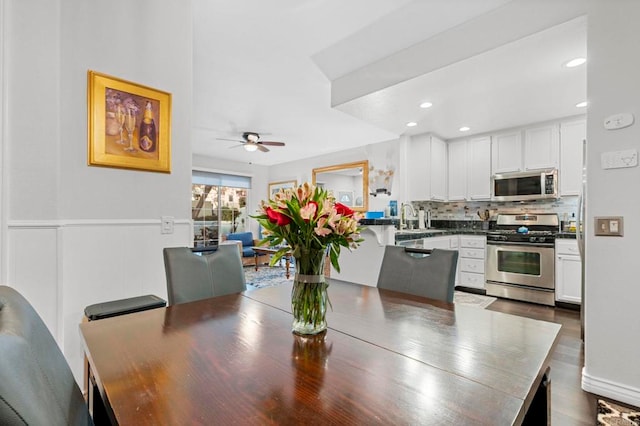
{"type": "Point", "coordinates": [36, 383]}
{"type": "Point", "coordinates": [193, 277]}
{"type": "Point", "coordinates": [428, 273]}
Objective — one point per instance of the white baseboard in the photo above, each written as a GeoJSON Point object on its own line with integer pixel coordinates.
{"type": "Point", "coordinates": [609, 389]}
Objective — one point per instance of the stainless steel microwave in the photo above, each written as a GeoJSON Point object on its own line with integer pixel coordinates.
{"type": "Point", "coordinates": [523, 186]}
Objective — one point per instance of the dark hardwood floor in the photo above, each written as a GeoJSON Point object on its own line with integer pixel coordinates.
{"type": "Point", "coordinates": [570, 405]}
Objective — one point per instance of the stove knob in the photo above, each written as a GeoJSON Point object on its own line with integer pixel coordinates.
{"type": "Point", "coordinates": [533, 239]}
{"type": "Point", "coordinates": [542, 239]}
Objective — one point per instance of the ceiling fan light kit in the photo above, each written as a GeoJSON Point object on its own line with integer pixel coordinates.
{"type": "Point", "coordinates": [253, 143]}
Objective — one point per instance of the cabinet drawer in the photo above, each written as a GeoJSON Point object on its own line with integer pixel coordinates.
{"type": "Point", "coordinates": [472, 253]}
{"type": "Point", "coordinates": [567, 247]}
{"type": "Point", "coordinates": [471, 265]}
{"type": "Point", "coordinates": [469, 279]}
{"type": "Point", "coordinates": [472, 242]}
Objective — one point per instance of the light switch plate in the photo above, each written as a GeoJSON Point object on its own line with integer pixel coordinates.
{"type": "Point", "coordinates": [610, 226]}
{"type": "Point", "coordinates": [619, 159]}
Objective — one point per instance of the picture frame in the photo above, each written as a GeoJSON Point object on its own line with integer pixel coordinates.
{"type": "Point", "coordinates": [277, 186]}
{"type": "Point", "coordinates": [129, 125]}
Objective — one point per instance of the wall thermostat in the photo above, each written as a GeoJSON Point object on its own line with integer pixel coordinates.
{"type": "Point", "coordinates": [618, 121]}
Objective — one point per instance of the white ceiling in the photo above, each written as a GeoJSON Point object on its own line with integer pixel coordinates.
{"type": "Point", "coordinates": [268, 67]}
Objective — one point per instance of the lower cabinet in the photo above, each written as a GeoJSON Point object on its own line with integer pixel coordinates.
{"type": "Point", "coordinates": [471, 261]}
{"type": "Point", "coordinates": [568, 272]}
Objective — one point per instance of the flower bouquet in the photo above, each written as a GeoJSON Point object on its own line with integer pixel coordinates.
{"type": "Point", "coordinates": [308, 222]}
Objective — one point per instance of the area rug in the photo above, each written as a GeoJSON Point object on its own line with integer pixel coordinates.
{"type": "Point", "coordinates": [611, 414]}
{"type": "Point", "coordinates": [270, 276]}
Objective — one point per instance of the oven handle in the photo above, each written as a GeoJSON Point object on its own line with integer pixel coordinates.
{"type": "Point", "coordinates": [511, 244]}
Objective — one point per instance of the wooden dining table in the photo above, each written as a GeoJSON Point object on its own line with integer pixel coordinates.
{"type": "Point", "coordinates": [386, 358]}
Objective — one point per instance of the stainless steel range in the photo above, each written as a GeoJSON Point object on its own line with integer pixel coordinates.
{"type": "Point", "coordinates": [520, 261]}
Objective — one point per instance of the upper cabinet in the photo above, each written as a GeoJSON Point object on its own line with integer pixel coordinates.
{"type": "Point", "coordinates": [470, 169]}
{"type": "Point", "coordinates": [438, 161]}
{"type": "Point", "coordinates": [506, 152]}
{"type": "Point", "coordinates": [427, 168]}
{"type": "Point", "coordinates": [479, 168]}
{"type": "Point", "coordinates": [529, 149]}
{"type": "Point", "coordinates": [457, 170]}
{"type": "Point", "coordinates": [572, 135]}
{"type": "Point", "coordinates": [541, 147]}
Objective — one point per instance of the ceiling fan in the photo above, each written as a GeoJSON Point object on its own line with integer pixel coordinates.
{"type": "Point", "coordinates": [252, 142]}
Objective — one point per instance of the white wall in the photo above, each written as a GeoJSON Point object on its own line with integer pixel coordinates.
{"type": "Point", "coordinates": [383, 155]}
{"type": "Point", "coordinates": [78, 235]}
{"type": "Point", "coordinates": [612, 292]}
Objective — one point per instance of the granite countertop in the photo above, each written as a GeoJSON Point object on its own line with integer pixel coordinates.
{"type": "Point", "coordinates": [415, 234]}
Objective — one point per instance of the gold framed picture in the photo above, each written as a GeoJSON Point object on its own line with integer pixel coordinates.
{"type": "Point", "coordinates": [277, 186]}
{"type": "Point", "coordinates": [129, 124]}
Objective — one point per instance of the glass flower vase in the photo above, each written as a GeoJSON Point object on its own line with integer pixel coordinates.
{"type": "Point", "coordinates": [309, 293]}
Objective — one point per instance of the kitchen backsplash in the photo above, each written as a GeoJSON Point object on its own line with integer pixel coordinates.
{"type": "Point", "coordinates": [468, 210]}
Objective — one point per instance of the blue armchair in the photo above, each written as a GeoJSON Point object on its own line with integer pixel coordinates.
{"type": "Point", "coordinates": [247, 240]}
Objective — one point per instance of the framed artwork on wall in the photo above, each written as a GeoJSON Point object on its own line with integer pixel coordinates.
{"type": "Point", "coordinates": [277, 186]}
{"type": "Point", "coordinates": [129, 124]}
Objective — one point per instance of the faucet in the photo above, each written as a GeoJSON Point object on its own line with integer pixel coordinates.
{"type": "Point", "coordinates": [403, 223]}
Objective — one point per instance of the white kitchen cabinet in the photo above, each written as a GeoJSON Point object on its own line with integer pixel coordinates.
{"type": "Point", "coordinates": [572, 135]}
{"type": "Point", "coordinates": [479, 168]}
{"type": "Point", "coordinates": [471, 258]}
{"type": "Point", "coordinates": [506, 152]}
{"type": "Point", "coordinates": [568, 272]}
{"type": "Point", "coordinates": [441, 242]}
{"type": "Point", "coordinates": [419, 177]}
{"type": "Point", "coordinates": [427, 168]}
{"type": "Point", "coordinates": [541, 147]}
{"type": "Point", "coordinates": [438, 161]}
{"type": "Point", "coordinates": [457, 163]}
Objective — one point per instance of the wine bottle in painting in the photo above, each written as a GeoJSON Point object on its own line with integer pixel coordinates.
{"type": "Point", "coordinates": [147, 137]}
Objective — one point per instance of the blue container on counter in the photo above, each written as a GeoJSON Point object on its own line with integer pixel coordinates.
{"type": "Point", "coordinates": [373, 215]}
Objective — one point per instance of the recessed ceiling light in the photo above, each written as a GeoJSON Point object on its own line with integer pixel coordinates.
{"type": "Point", "coordinates": [575, 62]}
{"type": "Point", "coordinates": [412, 124]}
{"type": "Point", "coordinates": [581, 104]}
{"type": "Point", "coordinates": [426, 105]}
{"type": "Point", "coordinates": [464, 129]}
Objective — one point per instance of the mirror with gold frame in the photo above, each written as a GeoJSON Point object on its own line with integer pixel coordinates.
{"type": "Point", "coordinates": [348, 182]}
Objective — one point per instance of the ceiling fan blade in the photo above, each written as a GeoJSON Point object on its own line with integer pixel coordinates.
{"type": "Point", "coordinates": [230, 140]}
{"type": "Point", "coordinates": [272, 143]}
{"type": "Point", "coordinates": [262, 148]}
{"type": "Point", "coordinates": [236, 146]}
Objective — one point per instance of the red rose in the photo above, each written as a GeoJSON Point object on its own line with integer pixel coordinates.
{"type": "Point", "coordinates": [344, 210]}
{"type": "Point", "coordinates": [276, 217]}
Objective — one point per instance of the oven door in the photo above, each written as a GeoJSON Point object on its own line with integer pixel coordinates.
{"type": "Point", "coordinates": [522, 264]}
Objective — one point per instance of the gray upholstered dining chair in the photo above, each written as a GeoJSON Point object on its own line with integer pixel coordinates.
{"type": "Point", "coordinates": [193, 277]}
{"type": "Point", "coordinates": [428, 273]}
{"type": "Point", "coordinates": [36, 383]}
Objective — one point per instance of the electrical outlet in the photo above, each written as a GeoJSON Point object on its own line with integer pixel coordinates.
{"type": "Point", "coordinates": [166, 225]}
{"type": "Point", "coordinates": [609, 226]}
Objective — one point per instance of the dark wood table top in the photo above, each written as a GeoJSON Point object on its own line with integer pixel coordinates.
{"type": "Point", "coordinates": [387, 358]}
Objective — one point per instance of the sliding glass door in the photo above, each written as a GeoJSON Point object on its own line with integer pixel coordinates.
{"type": "Point", "coordinates": [218, 206]}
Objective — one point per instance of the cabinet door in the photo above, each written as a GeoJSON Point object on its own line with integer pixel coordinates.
{"type": "Point", "coordinates": [568, 278]}
{"type": "Point", "coordinates": [443, 242]}
{"type": "Point", "coordinates": [457, 170]}
{"type": "Point", "coordinates": [418, 160]}
{"type": "Point", "coordinates": [479, 168]}
{"type": "Point", "coordinates": [506, 152]}
{"type": "Point", "coordinates": [572, 134]}
{"type": "Point", "coordinates": [541, 148]}
{"type": "Point", "coordinates": [438, 169]}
